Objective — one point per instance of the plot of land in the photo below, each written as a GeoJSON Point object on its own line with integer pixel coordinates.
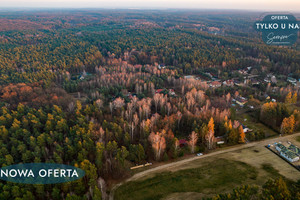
{"type": "Point", "coordinates": [253, 164]}
{"type": "Point", "coordinates": [216, 175]}
{"type": "Point", "coordinates": [255, 126]}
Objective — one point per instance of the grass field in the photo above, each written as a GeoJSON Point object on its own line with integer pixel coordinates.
{"type": "Point", "coordinates": [212, 176]}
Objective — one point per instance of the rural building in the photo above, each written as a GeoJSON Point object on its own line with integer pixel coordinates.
{"type": "Point", "coordinates": [241, 101]}
{"type": "Point", "coordinates": [215, 84]}
{"type": "Point", "coordinates": [294, 149]}
{"type": "Point", "coordinates": [238, 83]}
{"type": "Point", "coordinates": [159, 91]}
{"type": "Point", "coordinates": [286, 153]}
{"type": "Point", "coordinates": [279, 147]}
{"type": "Point", "coordinates": [273, 79]}
{"type": "Point", "coordinates": [291, 80]}
{"type": "Point", "coordinates": [228, 83]}
{"type": "Point", "coordinates": [189, 77]}
{"type": "Point", "coordinates": [172, 92]}
{"type": "Point", "coordinates": [182, 142]}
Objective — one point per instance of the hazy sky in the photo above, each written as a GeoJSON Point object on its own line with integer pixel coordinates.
{"type": "Point", "coordinates": [278, 5]}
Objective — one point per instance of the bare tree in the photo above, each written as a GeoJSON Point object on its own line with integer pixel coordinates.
{"type": "Point", "coordinates": [99, 103]}
{"type": "Point", "coordinates": [111, 106]}
{"type": "Point", "coordinates": [169, 107]}
{"type": "Point", "coordinates": [118, 102]}
{"type": "Point", "coordinates": [158, 143]}
{"type": "Point", "coordinates": [210, 136]}
{"type": "Point", "coordinates": [179, 116]}
{"type": "Point", "coordinates": [193, 141]}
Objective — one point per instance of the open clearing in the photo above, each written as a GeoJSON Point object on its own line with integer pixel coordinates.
{"type": "Point", "coordinates": [254, 125]}
{"type": "Point", "coordinates": [216, 175]}
{"type": "Point", "coordinates": [211, 174]}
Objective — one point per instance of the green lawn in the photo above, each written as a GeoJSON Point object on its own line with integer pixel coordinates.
{"type": "Point", "coordinates": [211, 178]}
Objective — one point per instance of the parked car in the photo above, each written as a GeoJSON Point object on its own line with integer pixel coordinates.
{"type": "Point", "coordinates": [199, 154]}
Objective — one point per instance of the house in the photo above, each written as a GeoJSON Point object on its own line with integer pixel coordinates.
{"type": "Point", "coordinates": [244, 72]}
{"type": "Point", "coordinates": [246, 129]}
{"type": "Point", "coordinates": [289, 155]}
{"type": "Point", "coordinates": [228, 83]}
{"type": "Point", "coordinates": [189, 77]}
{"type": "Point", "coordinates": [255, 82]}
{"type": "Point", "coordinates": [241, 101]}
{"type": "Point", "coordinates": [182, 142]}
{"type": "Point", "coordinates": [279, 147]}
{"type": "Point", "coordinates": [238, 83]}
{"type": "Point", "coordinates": [220, 139]}
{"type": "Point", "coordinates": [161, 66]}
{"type": "Point", "coordinates": [247, 81]}
{"type": "Point", "coordinates": [215, 84]}
{"type": "Point", "coordinates": [209, 75]}
{"type": "Point", "coordinates": [294, 149]}
{"type": "Point", "coordinates": [159, 91]}
{"type": "Point", "coordinates": [286, 153]}
{"type": "Point", "coordinates": [292, 80]}
{"type": "Point", "coordinates": [172, 92]}
{"type": "Point", "coordinates": [273, 79]}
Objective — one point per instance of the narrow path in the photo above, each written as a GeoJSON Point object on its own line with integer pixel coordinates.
{"type": "Point", "coordinates": [182, 162]}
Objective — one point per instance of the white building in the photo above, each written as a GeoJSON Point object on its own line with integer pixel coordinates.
{"type": "Point", "coordinates": [286, 153]}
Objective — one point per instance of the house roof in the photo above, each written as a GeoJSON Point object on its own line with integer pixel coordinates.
{"type": "Point", "coordinates": [294, 149]}
{"type": "Point", "coordinates": [241, 99]}
{"type": "Point", "coordinates": [182, 141]}
{"type": "Point", "coordinates": [215, 83]}
{"type": "Point", "coordinates": [229, 81]}
{"type": "Point", "coordinates": [159, 90]}
{"type": "Point", "coordinates": [289, 154]}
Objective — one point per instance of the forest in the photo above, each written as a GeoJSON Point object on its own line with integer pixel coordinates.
{"type": "Point", "coordinates": [107, 90]}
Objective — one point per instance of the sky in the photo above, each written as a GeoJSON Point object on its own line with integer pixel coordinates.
{"type": "Point", "coordinates": [267, 5]}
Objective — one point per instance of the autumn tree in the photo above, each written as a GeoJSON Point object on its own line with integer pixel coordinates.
{"type": "Point", "coordinates": [276, 189]}
{"type": "Point", "coordinates": [242, 135]}
{"type": "Point", "coordinates": [294, 98]}
{"type": "Point", "coordinates": [158, 143]}
{"type": "Point", "coordinates": [288, 125]}
{"type": "Point", "coordinates": [210, 135]}
{"type": "Point", "coordinates": [288, 98]}
{"type": "Point", "coordinates": [193, 138]}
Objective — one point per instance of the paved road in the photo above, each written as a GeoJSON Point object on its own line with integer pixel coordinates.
{"type": "Point", "coordinates": [182, 162]}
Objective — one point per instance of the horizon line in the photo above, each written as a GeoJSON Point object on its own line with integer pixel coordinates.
{"type": "Point", "coordinates": [141, 8]}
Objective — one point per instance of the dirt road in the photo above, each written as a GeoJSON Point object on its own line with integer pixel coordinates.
{"type": "Point", "coordinates": [182, 162]}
